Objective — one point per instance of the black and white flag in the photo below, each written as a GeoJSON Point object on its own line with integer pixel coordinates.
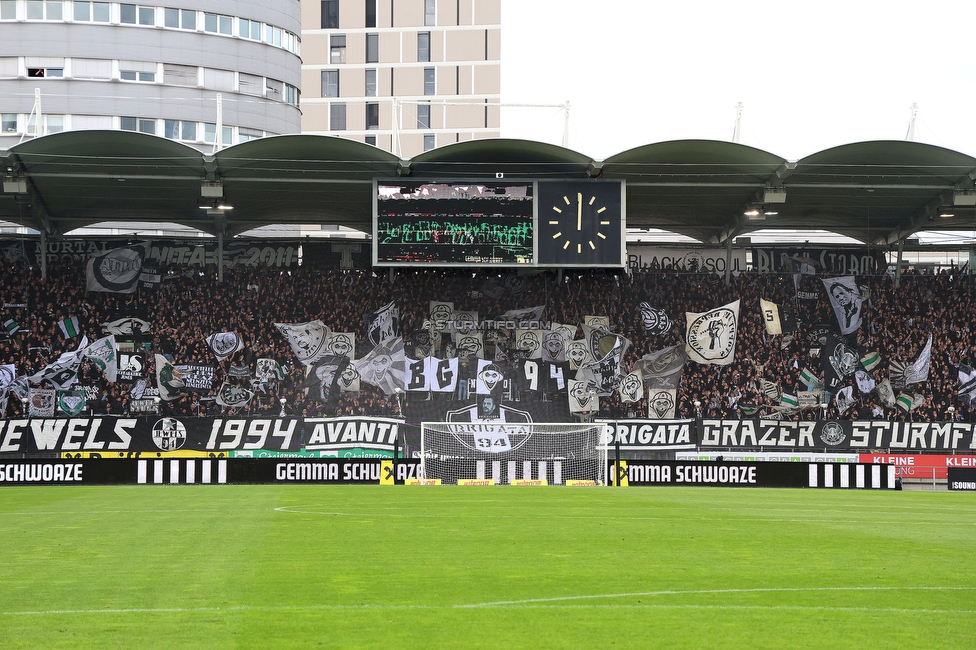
{"type": "Point", "coordinates": [711, 335]}
{"type": "Point", "coordinates": [967, 385]}
{"type": "Point", "coordinates": [307, 340]}
{"type": "Point", "coordinates": [197, 377]}
{"type": "Point", "coordinates": [631, 387]}
{"type": "Point", "coordinates": [553, 346]}
{"type": "Point", "coordinates": [523, 317]}
{"type": "Point", "coordinates": [233, 396]}
{"type": "Point", "coordinates": [529, 342]}
{"type": "Point", "coordinates": [8, 373]}
{"type": "Point", "coordinates": [324, 376]}
{"type": "Point", "coordinates": [607, 351]}
{"type": "Point", "coordinates": [40, 402]}
{"type": "Point", "coordinates": [126, 326]}
{"type": "Point", "coordinates": [442, 374]}
{"type": "Point", "coordinates": [441, 316]}
{"type": "Point", "coordinates": [778, 318]}
{"type": "Point", "coordinates": [104, 354]}
{"type": "Point", "coordinates": [349, 379]}
{"type": "Point", "coordinates": [382, 324]}
{"type": "Point", "coordinates": [342, 344]}
{"type": "Point", "coordinates": [845, 399]}
{"type": "Point", "coordinates": [655, 320]}
{"type": "Point", "coordinates": [838, 361]}
{"type": "Point", "coordinates": [845, 298]}
{"type": "Point", "coordinates": [919, 371]}
{"type": "Point", "coordinates": [471, 345]}
{"type": "Point", "coordinates": [239, 370]}
{"type": "Point", "coordinates": [865, 382]}
{"type": "Point", "coordinates": [489, 379]}
{"type": "Point", "coordinates": [225, 344]}
{"type": "Point", "coordinates": [384, 366]}
{"type": "Point", "coordinates": [117, 270]}
{"type": "Point", "coordinates": [661, 403]}
{"type": "Point", "coordinates": [662, 369]}
{"type": "Point", "coordinates": [582, 400]}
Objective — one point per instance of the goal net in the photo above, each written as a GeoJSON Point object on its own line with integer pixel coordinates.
{"type": "Point", "coordinates": [507, 452]}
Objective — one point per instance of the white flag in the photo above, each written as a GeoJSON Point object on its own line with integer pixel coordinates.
{"type": "Point", "coordinates": [117, 270]}
{"type": "Point", "coordinates": [225, 344]}
{"type": "Point", "coordinates": [104, 354]}
{"type": "Point", "coordinates": [711, 336]}
{"type": "Point", "coordinates": [919, 371]}
{"type": "Point", "coordinates": [846, 300]}
{"type": "Point", "coordinates": [631, 387]}
{"type": "Point", "coordinates": [661, 403]}
{"type": "Point", "coordinates": [307, 340]}
{"type": "Point", "coordinates": [845, 399]}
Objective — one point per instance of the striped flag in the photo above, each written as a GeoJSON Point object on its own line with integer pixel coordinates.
{"type": "Point", "coordinates": [770, 389]}
{"type": "Point", "coordinates": [69, 327]}
{"type": "Point", "coordinates": [11, 327]}
{"type": "Point", "coordinates": [789, 400]}
{"type": "Point", "coordinates": [870, 360]}
{"type": "Point", "coordinates": [810, 379]}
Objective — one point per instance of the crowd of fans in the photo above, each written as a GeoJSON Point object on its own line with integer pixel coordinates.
{"type": "Point", "coordinates": [191, 304]}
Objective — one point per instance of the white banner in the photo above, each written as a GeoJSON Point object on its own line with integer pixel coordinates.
{"type": "Point", "coordinates": [697, 260]}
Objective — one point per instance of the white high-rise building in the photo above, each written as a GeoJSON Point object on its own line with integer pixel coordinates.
{"type": "Point", "coordinates": [150, 68]}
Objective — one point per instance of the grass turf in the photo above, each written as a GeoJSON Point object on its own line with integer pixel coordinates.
{"type": "Point", "coordinates": [355, 566]}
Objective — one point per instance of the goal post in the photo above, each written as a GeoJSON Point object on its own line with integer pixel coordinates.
{"type": "Point", "coordinates": [507, 452]}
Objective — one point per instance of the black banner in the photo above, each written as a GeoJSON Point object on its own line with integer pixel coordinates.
{"type": "Point", "coordinates": [650, 435]}
{"type": "Point", "coordinates": [752, 474]}
{"type": "Point", "coordinates": [101, 471]}
{"type": "Point", "coordinates": [962, 479]}
{"type": "Point", "coordinates": [115, 434]}
{"type": "Point", "coordinates": [827, 261]}
{"type": "Point", "coordinates": [836, 434]}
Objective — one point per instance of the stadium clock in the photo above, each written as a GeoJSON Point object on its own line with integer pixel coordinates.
{"type": "Point", "coordinates": [580, 223]}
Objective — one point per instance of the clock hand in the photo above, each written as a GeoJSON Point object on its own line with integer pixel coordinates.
{"type": "Point", "coordinates": [579, 211]}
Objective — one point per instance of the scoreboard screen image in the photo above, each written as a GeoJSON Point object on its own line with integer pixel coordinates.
{"type": "Point", "coordinates": [453, 223]}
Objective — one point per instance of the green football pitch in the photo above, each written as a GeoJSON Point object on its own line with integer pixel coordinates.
{"type": "Point", "coordinates": [491, 567]}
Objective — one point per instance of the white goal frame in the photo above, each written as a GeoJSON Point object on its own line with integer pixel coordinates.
{"type": "Point", "coordinates": [505, 452]}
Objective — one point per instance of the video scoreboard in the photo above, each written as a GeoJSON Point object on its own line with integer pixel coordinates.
{"type": "Point", "coordinates": [512, 223]}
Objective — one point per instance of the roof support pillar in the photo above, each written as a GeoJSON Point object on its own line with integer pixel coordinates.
{"type": "Point", "coordinates": [901, 248]}
{"type": "Point", "coordinates": [728, 261]}
{"type": "Point", "coordinates": [220, 256]}
{"type": "Point", "coordinates": [43, 254]}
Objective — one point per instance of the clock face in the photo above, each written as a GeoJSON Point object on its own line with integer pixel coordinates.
{"type": "Point", "coordinates": [580, 223]}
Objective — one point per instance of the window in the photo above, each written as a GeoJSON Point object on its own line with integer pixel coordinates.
{"type": "Point", "coordinates": [180, 75]}
{"type": "Point", "coordinates": [210, 132]}
{"type": "Point", "coordinates": [226, 25]}
{"type": "Point", "coordinates": [337, 116]}
{"type": "Point", "coordinates": [423, 46]}
{"type": "Point", "coordinates": [330, 14]}
{"type": "Point", "coordinates": [180, 130]}
{"type": "Point", "coordinates": [370, 13]}
{"type": "Point", "coordinates": [430, 12]}
{"type": "Point", "coordinates": [372, 116]}
{"type": "Point", "coordinates": [171, 18]}
{"type": "Point", "coordinates": [274, 89]}
{"type": "Point", "coordinates": [371, 82]}
{"type": "Point", "coordinates": [210, 23]}
{"type": "Point", "coordinates": [429, 141]}
{"type": "Point", "coordinates": [140, 124]}
{"type": "Point", "coordinates": [8, 67]}
{"type": "Point", "coordinates": [291, 95]}
{"type": "Point", "coordinates": [127, 14]}
{"type": "Point", "coordinates": [8, 123]}
{"type": "Point", "coordinates": [337, 48]}
{"type": "Point", "coordinates": [45, 10]}
{"type": "Point", "coordinates": [91, 68]}
{"type": "Point", "coordinates": [147, 15]}
{"type": "Point", "coordinates": [371, 139]}
{"type": "Point", "coordinates": [429, 81]}
{"type": "Point", "coordinates": [250, 29]}
{"type": "Point", "coordinates": [52, 124]}
{"type": "Point", "coordinates": [188, 19]}
{"type": "Point", "coordinates": [251, 84]}
{"type": "Point", "coordinates": [219, 79]}
{"type": "Point", "coordinates": [423, 116]}
{"type": "Point", "coordinates": [8, 11]}
{"type": "Point", "coordinates": [132, 75]}
{"type": "Point", "coordinates": [144, 71]}
{"type": "Point", "coordinates": [330, 83]}
{"type": "Point", "coordinates": [249, 134]}
{"type": "Point", "coordinates": [45, 72]}
{"type": "Point", "coordinates": [82, 11]}
{"type": "Point", "coordinates": [372, 48]}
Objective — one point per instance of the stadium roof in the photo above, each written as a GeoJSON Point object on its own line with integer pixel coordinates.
{"type": "Point", "coordinates": [875, 192]}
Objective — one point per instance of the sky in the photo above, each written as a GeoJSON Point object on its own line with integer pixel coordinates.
{"type": "Point", "coordinates": [809, 75]}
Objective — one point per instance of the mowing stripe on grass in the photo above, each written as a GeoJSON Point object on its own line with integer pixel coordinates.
{"type": "Point", "coordinates": [546, 603]}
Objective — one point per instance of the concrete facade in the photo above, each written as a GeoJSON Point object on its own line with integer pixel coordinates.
{"type": "Point", "coordinates": [151, 68]}
{"type": "Point", "coordinates": [436, 66]}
